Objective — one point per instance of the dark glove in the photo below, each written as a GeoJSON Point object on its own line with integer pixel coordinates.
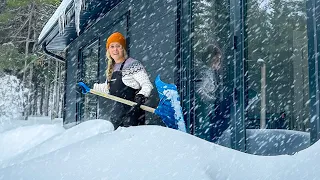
{"type": "Point", "coordinates": [139, 99]}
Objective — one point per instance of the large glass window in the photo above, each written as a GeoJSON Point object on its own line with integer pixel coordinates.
{"type": "Point", "coordinates": [212, 54]}
{"type": "Point", "coordinates": [89, 75]}
{"type": "Point", "coordinates": [277, 65]}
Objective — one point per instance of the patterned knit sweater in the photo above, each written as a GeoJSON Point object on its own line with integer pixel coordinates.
{"type": "Point", "coordinates": [135, 76]}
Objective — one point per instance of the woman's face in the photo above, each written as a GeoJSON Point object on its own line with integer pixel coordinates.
{"type": "Point", "coordinates": [116, 52]}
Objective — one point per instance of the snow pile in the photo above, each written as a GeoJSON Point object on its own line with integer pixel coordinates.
{"type": "Point", "coordinates": [12, 124]}
{"type": "Point", "coordinates": [18, 140]}
{"type": "Point", "coordinates": [154, 152]}
{"type": "Point", "coordinates": [270, 141]}
{"type": "Point", "coordinates": [44, 120]}
{"type": "Point", "coordinates": [61, 139]}
{"type": "Point", "coordinates": [11, 98]}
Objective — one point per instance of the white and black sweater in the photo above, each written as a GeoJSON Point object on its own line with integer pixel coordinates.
{"type": "Point", "coordinates": [135, 76]}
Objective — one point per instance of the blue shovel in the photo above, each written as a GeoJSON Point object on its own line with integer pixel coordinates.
{"type": "Point", "coordinates": [168, 109]}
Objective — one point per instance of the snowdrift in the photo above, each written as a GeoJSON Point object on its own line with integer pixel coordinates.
{"type": "Point", "coordinates": [152, 152]}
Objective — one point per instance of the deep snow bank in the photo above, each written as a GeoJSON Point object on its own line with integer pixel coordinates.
{"type": "Point", "coordinates": [51, 137]}
{"type": "Point", "coordinates": [20, 139]}
{"type": "Point", "coordinates": [153, 152]}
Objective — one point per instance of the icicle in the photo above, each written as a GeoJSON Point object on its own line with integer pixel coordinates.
{"type": "Point", "coordinates": [62, 22]}
{"type": "Point", "coordinates": [83, 4]}
{"type": "Point", "coordinates": [61, 15]}
{"type": "Point", "coordinates": [77, 11]}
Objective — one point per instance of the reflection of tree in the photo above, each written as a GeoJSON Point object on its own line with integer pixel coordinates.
{"type": "Point", "coordinates": [211, 19]}
{"type": "Point", "coordinates": [272, 35]}
{"type": "Point", "coordinates": [90, 76]}
{"type": "Point", "coordinates": [91, 65]}
{"type": "Point", "coordinates": [275, 32]}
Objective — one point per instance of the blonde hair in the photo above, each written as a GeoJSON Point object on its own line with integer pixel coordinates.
{"type": "Point", "coordinates": [110, 64]}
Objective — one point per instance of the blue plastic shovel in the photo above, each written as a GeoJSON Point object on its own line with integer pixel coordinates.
{"type": "Point", "coordinates": [169, 108]}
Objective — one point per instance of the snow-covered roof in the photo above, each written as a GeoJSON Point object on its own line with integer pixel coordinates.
{"type": "Point", "coordinates": [60, 17]}
{"type": "Point", "coordinates": [54, 18]}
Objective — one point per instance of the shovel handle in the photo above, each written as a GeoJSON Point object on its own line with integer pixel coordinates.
{"type": "Point", "coordinates": [121, 100]}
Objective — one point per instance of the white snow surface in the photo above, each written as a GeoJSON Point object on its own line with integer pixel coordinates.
{"type": "Point", "coordinates": [91, 150]}
{"type": "Point", "coordinates": [11, 144]}
{"type": "Point", "coordinates": [59, 140]}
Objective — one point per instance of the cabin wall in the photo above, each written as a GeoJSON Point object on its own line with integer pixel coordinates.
{"type": "Point", "coordinates": [150, 27]}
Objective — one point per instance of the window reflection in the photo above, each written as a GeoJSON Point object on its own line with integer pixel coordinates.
{"type": "Point", "coordinates": [89, 73]}
{"type": "Point", "coordinates": [277, 33]}
{"type": "Point", "coordinates": [211, 59]}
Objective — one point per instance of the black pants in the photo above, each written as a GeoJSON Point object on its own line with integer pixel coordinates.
{"type": "Point", "coordinates": [125, 120]}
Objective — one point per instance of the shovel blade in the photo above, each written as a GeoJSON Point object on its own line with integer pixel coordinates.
{"type": "Point", "coordinates": [169, 108]}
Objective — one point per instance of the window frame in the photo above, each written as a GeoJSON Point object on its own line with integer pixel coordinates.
{"type": "Point", "coordinates": [80, 77]}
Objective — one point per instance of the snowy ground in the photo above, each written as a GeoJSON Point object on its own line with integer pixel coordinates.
{"type": "Point", "coordinates": [92, 150]}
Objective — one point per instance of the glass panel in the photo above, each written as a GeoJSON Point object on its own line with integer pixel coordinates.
{"type": "Point", "coordinates": [277, 35]}
{"type": "Point", "coordinates": [211, 58]}
{"type": "Point", "coordinates": [90, 61]}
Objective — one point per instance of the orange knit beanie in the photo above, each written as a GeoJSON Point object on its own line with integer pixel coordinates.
{"type": "Point", "coordinates": [116, 37]}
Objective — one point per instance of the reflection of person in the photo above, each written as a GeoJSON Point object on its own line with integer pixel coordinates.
{"type": "Point", "coordinates": [209, 92]}
{"type": "Point", "coordinates": [209, 72]}
{"type": "Point", "coordinates": [126, 78]}
{"type": "Point", "coordinates": [281, 122]}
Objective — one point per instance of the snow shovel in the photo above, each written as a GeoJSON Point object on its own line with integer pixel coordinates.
{"type": "Point", "coordinates": [168, 109]}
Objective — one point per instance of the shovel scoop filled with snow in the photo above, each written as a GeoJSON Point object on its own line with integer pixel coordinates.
{"type": "Point", "coordinates": [169, 108]}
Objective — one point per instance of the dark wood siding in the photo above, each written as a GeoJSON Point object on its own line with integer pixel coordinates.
{"type": "Point", "coordinates": [152, 41]}
{"type": "Point", "coordinates": [70, 87]}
